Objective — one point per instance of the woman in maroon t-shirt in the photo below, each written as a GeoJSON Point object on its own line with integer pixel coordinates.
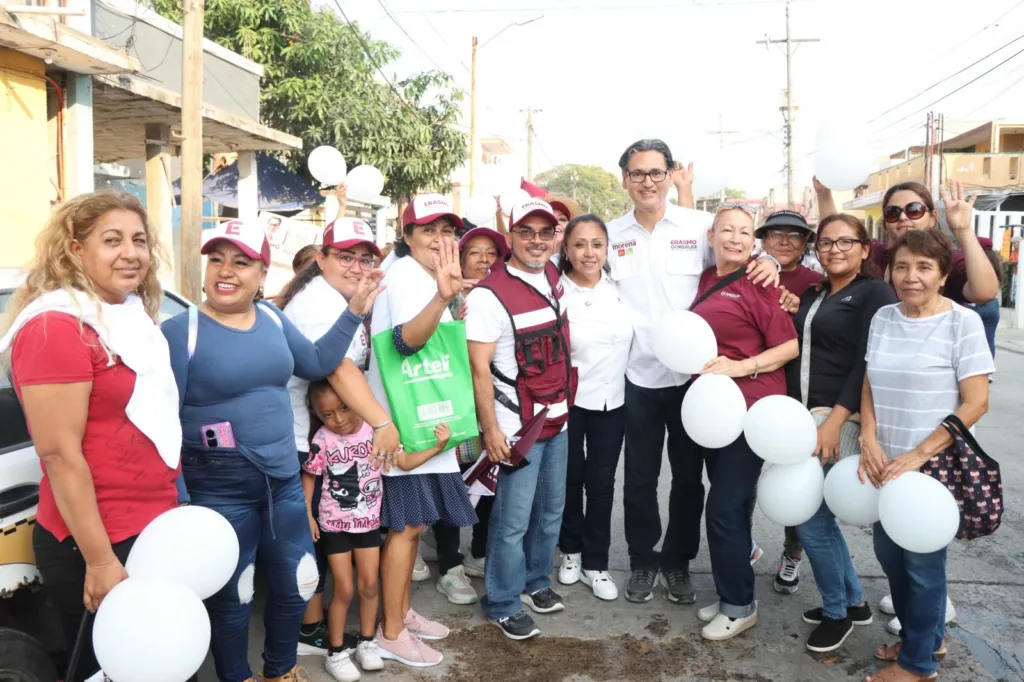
{"type": "Point", "coordinates": [756, 338]}
{"type": "Point", "coordinates": [103, 479]}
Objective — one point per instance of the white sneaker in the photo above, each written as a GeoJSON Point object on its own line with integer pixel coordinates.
{"type": "Point", "coordinates": [420, 571]}
{"type": "Point", "coordinates": [368, 656]}
{"type": "Point", "coordinates": [708, 613]}
{"type": "Point", "coordinates": [456, 587]}
{"type": "Point", "coordinates": [787, 580]}
{"type": "Point", "coordinates": [569, 572]}
{"type": "Point", "coordinates": [894, 625]}
{"type": "Point", "coordinates": [602, 584]}
{"type": "Point", "coordinates": [885, 606]}
{"type": "Point", "coordinates": [341, 668]}
{"type": "Point", "coordinates": [475, 567]}
{"type": "Point", "coordinates": [723, 627]}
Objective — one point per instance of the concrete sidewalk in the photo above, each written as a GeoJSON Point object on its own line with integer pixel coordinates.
{"type": "Point", "coordinates": [1009, 338]}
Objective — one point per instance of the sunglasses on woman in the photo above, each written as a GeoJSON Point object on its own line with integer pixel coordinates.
{"type": "Point", "coordinates": [913, 211]}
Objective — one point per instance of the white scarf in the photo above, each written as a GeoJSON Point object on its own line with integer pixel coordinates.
{"type": "Point", "coordinates": [126, 331]}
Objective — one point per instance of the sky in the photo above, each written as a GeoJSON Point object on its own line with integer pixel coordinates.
{"type": "Point", "coordinates": [604, 73]}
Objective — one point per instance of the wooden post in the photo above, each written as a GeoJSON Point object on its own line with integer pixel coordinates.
{"type": "Point", "coordinates": [190, 270]}
{"type": "Point", "coordinates": [248, 187]}
{"type": "Point", "coordinates": [472, 121]}
{"type": "Point", "coordinates": [158, 196]}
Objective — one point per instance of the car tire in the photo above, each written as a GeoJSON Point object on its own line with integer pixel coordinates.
{"type": "Point", "coordinates": [24, 659]}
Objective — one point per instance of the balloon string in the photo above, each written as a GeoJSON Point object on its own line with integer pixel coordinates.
{"type": "Point", "coordinates": [76, 651]}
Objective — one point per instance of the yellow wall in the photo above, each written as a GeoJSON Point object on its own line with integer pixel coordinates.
{"type": "Point", "coordinates": [25, 188]}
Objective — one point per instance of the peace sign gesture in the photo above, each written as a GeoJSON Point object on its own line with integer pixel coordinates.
{"type": "Point", "coordinates": [448, 270]}
{"type": "Point", "coordinates": [958, 208]}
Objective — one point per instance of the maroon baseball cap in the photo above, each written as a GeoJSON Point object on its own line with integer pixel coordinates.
{"type": "Point", "coordinates": [345, 233]}
{"type": "Point", "coordinates": [426, 208]}
{"type": "Point", "coordinates": [497, 237]}
{"type": "Point", "coordinates": [248, 237]}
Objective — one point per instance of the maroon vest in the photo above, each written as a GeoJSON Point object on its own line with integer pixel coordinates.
{"type": "Point", "coordinates": [540, 331]}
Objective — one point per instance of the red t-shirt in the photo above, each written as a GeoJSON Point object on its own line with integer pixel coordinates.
{"type": "Point", "coordinates": [747, 320]}
{"type": "Point", "coordinates": [133, 485]}
{"type": "Point", "coordinates": [799, 279]}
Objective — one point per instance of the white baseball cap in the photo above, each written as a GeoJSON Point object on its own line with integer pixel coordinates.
{"type": "Point", "coordinates": [248, 237]}
{"type": "Point", "coordinates": [426, 208]}
{"type": "Point", "coordinates": [530, 207]}
{"type": "Point", "coordinates": [344, 233]}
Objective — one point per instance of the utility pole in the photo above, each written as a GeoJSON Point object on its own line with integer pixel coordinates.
{"type": "Point", "coordinates": [789, 110]}
{"type": "Point", "coordinates": [191, 150]}
{"type": "Point", "coordinates": [530, 111]}
{"type": "Point", "coordinates": [472, 120]}
{"type": "Point", "coordinates": [721, 132]}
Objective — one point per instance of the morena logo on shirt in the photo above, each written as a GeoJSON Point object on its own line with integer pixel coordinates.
{"type": "Point", "coordinates": [729, 294]}
{"type": "Point", "coordinates": [624, 248]}
{"type": "Point", "coordinates": [683, 244]}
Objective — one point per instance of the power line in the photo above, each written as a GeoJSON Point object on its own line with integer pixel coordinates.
{"type": "Point", "coordinates": [950, 94]}
{"type": "Point", "coordinates": [595, 8]}
{"type": "Point", "coordinates": [981, 30]}
{"type": "Point", "coordinates": [936, 84]}
{"type": "Point", "coordinates": [1000, 94]}
{"type": "Point", "coordinates": [411, 39]}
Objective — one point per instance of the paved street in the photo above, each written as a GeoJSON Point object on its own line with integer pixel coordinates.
{"type": "Point", "coordinates": [601, 641]}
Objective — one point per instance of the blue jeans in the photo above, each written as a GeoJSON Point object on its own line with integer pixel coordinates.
{"type": "Point", "coordinates": [269, 516]}
{"type": "Point", "coordinates": [525, 521]}
{"type": "Point", "coordinates": [733, 472]}
{"type": "Point", "coordinates": [918, 586]}
{"type": "Point", "coordinates": [989, 314]}
{"type": "Point", "coordinates": [834, 574]}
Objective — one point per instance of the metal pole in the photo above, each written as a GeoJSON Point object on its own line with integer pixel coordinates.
{"type": "Point", "coordinates": [789, 114]}
{"type": "Point", "coordinates": [529, 144]}
{"type": "Point", "coordinates": [472, 121]}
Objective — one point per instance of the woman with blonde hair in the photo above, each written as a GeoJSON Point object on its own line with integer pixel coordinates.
{"type": "Point", "coordinates": [93, 374]}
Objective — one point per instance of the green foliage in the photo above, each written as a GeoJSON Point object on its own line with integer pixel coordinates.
{"type": "Point", "coordinates": [595, 189]}
{"type": "Point", "coordinates": [318, 84]}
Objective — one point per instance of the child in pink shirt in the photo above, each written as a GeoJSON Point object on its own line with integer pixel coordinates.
{"type": "Point", "coordinates": [341, 451]}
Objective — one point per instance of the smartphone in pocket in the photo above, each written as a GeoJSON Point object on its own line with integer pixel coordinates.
{"type": "Point", "coordinates": [219, 435]}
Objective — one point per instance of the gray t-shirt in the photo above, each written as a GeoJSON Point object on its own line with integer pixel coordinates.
{"type": "Point", "coordinates": [915, 366]}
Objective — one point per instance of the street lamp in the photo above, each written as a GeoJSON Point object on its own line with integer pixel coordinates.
{"type": "Point", "coordinates": [472, 97]}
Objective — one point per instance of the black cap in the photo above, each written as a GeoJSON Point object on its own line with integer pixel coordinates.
{"type": "Point", "coordinates": [784, 219]}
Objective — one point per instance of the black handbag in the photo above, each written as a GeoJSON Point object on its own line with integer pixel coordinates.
{"type": "Point", "coordinates": [974, 479]}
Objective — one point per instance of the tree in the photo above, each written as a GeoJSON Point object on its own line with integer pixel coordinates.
{"type": "Point", "coordinates": [319, 84]}
{"type": "Point", "coordinates": [594, 188]}
{"type": "Point", "coordinates": [733, 193]}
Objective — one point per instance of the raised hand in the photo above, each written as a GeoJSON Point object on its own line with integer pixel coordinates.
{"type": "Point", "coordinates": [367, 291]}
{"type": "Point", "coordinates": [959, 209]}
{"type": "Point", "coordinates": [448, 270]}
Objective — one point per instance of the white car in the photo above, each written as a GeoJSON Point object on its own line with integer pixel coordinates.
{"type": "Point", "coordinates": [23, 624]}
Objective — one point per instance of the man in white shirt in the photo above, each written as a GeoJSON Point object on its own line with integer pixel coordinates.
{"type": "Point", "coordinates": [657, 253]}
{"type": "Point", "coordinates": [518, 335]}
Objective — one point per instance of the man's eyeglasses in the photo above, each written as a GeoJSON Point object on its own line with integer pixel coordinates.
{"type": "Point", "coordinates": [793, 237]}
{"type": "Point", "coordinates": [843, 244]}
{"type": "Point", "coordinates": [347, 260]}
{"type": "Point", "coordinates": [913, 211]}
{"type": "Point", "coordinates": [638, 176]}
{"type": "Point", "coordinates": [546, 234]}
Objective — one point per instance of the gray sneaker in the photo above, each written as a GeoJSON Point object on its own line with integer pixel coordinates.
{"type": "Point", "coordinates": [641, 585]}
{"type": "Point", "coordinates": [680, 587]}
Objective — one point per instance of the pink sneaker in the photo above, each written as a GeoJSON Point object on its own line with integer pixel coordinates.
{"type": "Point", "coordinates": [407, 649]}
{"type": "Point", "coordinates": [423, 628]}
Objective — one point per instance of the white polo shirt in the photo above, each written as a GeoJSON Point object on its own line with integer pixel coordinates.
{"type": "Point", "coordinates": [657, 272]}
{"type": "Point", "coordinates": [600, 331]}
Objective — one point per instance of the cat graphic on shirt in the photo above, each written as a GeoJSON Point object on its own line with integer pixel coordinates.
{"type": "Point", "coordinates": [351, 493]}
{"type": "Point", "coordinates": [343, 484]}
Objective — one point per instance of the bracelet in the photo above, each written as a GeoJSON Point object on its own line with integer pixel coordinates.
{"type": "Point", "coordinates": [381, 426]}
{"type": "Point", "coordinates": [757, 369]}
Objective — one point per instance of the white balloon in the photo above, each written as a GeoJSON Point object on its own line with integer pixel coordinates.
{"type": "Point", "coordinates": [327, 165]}
{"type": "Point", "coordinates": [193, 546]}
{"type": "Point", "coordinates": [709, 177]}
{"type": "Point", "coordinates": [684, 342]}
{"type": "Point", "coordinates": [364, 183]}
{"type": "Point", "coordinates": [150, 631]}
{"type": "Point", "coordinates": [842, 159]}
{"type": "Point", "coordinates": [850, 500]}
{"type": "Point", "coordinates": [918, 513]}
{"type": "Point", "coordinates": [780, 430]}
{"type": "Point", "coordinates": [480, 210]}
{"type": "Point", "coordinates": [791, 494]}
{"type": "Point", "coordinates": [512, 197]}
{"type": "Point", "coordinates": [713, 411]}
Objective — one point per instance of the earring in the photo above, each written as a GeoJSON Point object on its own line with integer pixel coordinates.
{"type": "Point", "coordinates": [259, 294]}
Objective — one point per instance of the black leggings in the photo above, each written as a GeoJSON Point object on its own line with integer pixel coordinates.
{"type": "Point", "coordinates": [62, 568]}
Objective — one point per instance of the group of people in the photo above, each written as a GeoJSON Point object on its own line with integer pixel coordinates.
{"type": "Point", "coordinates": [285, 426]}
